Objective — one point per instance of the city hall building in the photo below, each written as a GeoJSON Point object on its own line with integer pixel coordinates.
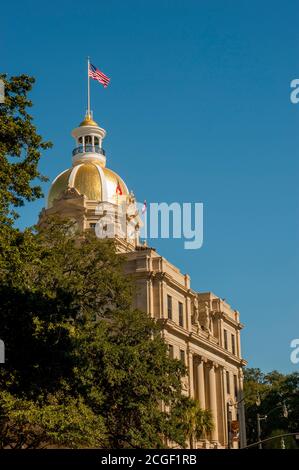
{"type": "Point", "coordinates": [200, 328]}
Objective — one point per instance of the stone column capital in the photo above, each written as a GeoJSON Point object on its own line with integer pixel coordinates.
{"type": "Point", "coordinates": [151, 276]}
{"type": "Point", "coordinates": [199, 358]}
{"type": "Point", "coordinates": [160, 275]}
{"type": "Point", "coordinates": [212, 365]}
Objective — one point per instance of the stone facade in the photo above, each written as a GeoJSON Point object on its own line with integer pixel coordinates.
{"type": "Point", "coordinates": [203, 331]}
{"type": "Point", "coordinates": [200, 328]}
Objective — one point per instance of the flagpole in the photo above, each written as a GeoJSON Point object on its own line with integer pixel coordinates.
{"type": "Point", "coordinates": [88, 88]}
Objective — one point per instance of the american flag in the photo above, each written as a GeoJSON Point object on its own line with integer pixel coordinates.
{"type": "Point", "coordinates": [96, 74]}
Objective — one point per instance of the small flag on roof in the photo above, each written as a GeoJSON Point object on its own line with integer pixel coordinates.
{"type": "Point", "coordinates": [143, 210]}
{"type": "Point", "coordinates": [118, 189]}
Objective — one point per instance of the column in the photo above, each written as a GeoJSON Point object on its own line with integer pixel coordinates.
{"type": "Point", "coordinates": [190, 373]}
{"type": "Point", "coordinates": [222, 425]}
{"type": "Point", "coordinates": [188, 313]}
{"type": "Point", "coordinates": [150, 303]}
{"type": "Point", "coordinates": [238, 345]}
{"type": "Point", "coordinates": [201, 384]}
{"type": "Point", "coordinates": [225, 408]}
{"type": "Point", "coordinates": [220, 332]}
{"type": "Point", "coordinates": [162, 299]}
{"type": "Point", "coordinates": [213, 399]}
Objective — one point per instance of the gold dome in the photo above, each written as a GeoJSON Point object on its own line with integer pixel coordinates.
{"type": "Point", "coordinates": [88, 181]}
{"type": "Point", "coordinates": [59, 185]}
{"type": "Point", "coordinates": [112, 181]}
{"type": "Point", "coordinates": [94, 182]}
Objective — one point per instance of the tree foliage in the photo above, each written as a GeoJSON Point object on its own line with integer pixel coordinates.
{"type": "Point", "coordinates": [66, 422]}
{"type": "Point", "coordinates": [195, 422]}
{"type": "Point", "coordinates": [273, 389]}
{"type": "Point", "coordinates": [20, 148]}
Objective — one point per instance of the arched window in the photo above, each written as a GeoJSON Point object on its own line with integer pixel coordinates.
{"type": "Point", "coordinates": [80, 144]}
{"type": "Point", "coordinates": [88, 143]}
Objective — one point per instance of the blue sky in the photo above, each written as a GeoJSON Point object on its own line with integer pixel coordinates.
{"type": "Point", "coordinates": [198, 110]}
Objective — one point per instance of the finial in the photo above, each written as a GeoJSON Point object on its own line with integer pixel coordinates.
{"type": "Point", "coordinates": [88, 115]}
{"type": "Point", "coordinates": [88, 120]}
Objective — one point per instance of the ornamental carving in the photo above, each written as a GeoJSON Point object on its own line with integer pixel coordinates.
{"type": "Point", "coordinates": [205, 319]}
{"type": "Point", "coordinates": [71, 193]}
{"type": "Point", "coordinates": [202, 315]}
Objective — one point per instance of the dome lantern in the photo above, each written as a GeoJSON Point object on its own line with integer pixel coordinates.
{"type": "Point", "coordinates": [89, 139]}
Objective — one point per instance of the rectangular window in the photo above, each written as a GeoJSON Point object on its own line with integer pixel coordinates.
{"type": "Point", "coordinates": [227, 382]}
{"type": "Point", "coordinates": [225, 339]}
{"type": "Point", "coordinates": [182, 356]}
{"type": "Point", "coordinates": [236, 386]}
{"type": "Point", "coordinates": [170, 350]}
{"type": "Point", "coordinates": [181, 314]}
{"type": "Point", "coordinates": [169, 307]}
{"type": "Point", "coordinates": [233, 345]}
